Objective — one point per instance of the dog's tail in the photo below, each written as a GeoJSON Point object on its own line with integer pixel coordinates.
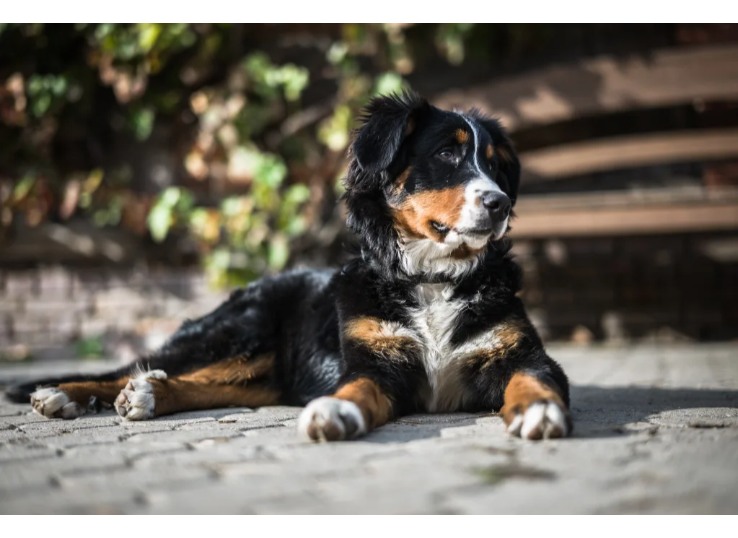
{"type": "Point", "coordinates": [21, 392]}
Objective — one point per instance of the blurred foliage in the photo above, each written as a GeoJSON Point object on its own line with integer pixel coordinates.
{"type": "Point", "coordinates": [229, 136]}
{"type": "Point", "coordinates": [90, 348]}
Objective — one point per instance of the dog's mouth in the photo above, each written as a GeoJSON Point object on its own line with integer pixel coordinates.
{"type": "Point", "coordinates": [474, 237]}
{"type": "Point", "coordinates": [476, 231]}
{"type": "Point", "coordinates": [484, 230]}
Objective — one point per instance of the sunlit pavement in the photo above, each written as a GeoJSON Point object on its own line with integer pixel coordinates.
{"type": "Point", "coordinates": [656, 431]}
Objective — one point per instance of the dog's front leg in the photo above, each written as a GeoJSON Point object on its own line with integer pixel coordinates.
{"type": "Point", "coordinates": [356, 408]}
{"type": "Point", "coordinates": [534, 407]}
{"type": "Point", "coordinates": [382, 375]}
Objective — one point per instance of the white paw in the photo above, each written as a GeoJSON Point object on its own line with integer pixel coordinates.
{"type": "Point", "coordinates": [53, 402]}
{"type": "Point", "coordinates": [542, 420]}
{"type": "Point", "coordinates": [331, 419]}
{"type": "Point", "coordinates": [136, 401]}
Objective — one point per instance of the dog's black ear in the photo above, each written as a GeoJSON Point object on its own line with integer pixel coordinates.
{"type": "Point", "coordinates": [387, 120]}
{"type": "Point", "coordinates": [506, 156]}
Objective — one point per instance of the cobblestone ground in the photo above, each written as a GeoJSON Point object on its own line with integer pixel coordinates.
{"type": "Point", "coordinates": [656, 432]}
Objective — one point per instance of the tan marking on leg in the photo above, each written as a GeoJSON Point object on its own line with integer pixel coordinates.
{"type": "Point", "coordinates": [82, 391]}
{"type": "Point", "coordinates": [375, 406]}
{"type": "Point", "coordinates": [232, 382]}
{"type": "Point", "coordinates": [509, 334]}
{"type": "Point", "coordinates": [386, 338]}
{"type": "Point", "coordinates": [462, 136]}
{"type": "Point", "coordinates": [176, 395]}
{"type": "Point", "coordinates": [414, 215]}
{"type": "Point", "coordinates": [496, 345]}
{"type": "Point", "coordinates": [365, 328]}
{"type": "Point", "coordinates": [524, 390]}
{"type": "Point", "coordinates": [231, 371]}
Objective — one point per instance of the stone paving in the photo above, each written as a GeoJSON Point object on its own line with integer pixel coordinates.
{"type": "Point", "coordinates": [656, 431]}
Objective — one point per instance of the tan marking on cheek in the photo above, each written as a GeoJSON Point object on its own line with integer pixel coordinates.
{"type": "Point", "coordinates": [379, 337]}
{"type": "Point", "coordinates": [414, 215]}
{"type": "Point", "coordinates": [462, 136]}
{"type": "Point", "coordinates": [489, 152]}
{"type": "Point", "coordinates": [369, 397]}
{"type": "Point", "coordinates": [408, 223]}
{"type": "Point", "coordinates": [524, 390]}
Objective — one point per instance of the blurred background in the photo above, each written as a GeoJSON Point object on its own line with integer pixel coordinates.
{"type": "Point", "coordinates": [146, 169]}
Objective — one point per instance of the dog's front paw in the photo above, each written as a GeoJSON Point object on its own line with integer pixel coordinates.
{"type": "Point", "coordinates": [52, 402]}
{"type": "Point", "coordinates": [542, 419]}
{"type": "Point", "coordinates": [331, 419]}
{"type": "Point", "coordinates": [137, 401]}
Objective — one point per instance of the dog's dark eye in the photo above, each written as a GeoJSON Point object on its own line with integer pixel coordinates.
{"type": "Point", "coordinates": [446, 154]}
{"type": "Point", "coordinates": [440, 228]}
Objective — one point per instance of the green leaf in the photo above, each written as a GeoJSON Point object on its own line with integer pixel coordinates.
{"type": "Point", "coordinates": [185, 202]}
{"type": "Point", "coordinates": [159, 221]}
{"type": "Point", "coordinates": [147, 36]}
{"type": "Point", "coordinates": [297, 194]}
{"type": "Point", "coordinates": [294, 79]}
{"type": "Point", "coordinates": [278, 253]}
{"type": "Point", "coordinates": [271, 171]}
{"type": "Point", "coordinates": [23, 187]}
{"type": "Point", "coordinates": [335, 131]}
{"type": "Point", "coordinates": [387, 83]}
{"type": "Point", "coordinates": [220, 259]}
{"type": "Point", "coordinates": [143, 123]}
{"type": "Point", "coordinates": [170, 197]}
{"type": "Point", "coordinates": [90, 348]}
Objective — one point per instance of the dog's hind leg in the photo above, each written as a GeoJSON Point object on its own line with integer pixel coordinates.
{"type": "Point", "coordinates": [73, 399]}
{"type": "Point", "coordinates": [140, 394]}
{"type": "Point", "coordinates": [237, 381]}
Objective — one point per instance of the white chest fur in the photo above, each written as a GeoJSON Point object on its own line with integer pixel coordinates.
{"type": "Point", "coordinates": [435, 319]}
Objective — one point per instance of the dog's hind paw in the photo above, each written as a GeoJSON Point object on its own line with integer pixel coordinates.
{"type": "Point", "coordinates": [331, 419]}
{"type": "Point", "coordinates": [542, 419]}
{"type": "Point", "coordinates": [52, 402]}
{"type": "Point", "coordinates": [137, 401]}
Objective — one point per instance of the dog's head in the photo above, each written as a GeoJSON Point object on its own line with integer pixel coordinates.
{"type": "Point", "coordinates": [440, 185]}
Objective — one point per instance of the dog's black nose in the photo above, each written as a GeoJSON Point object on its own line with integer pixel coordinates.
{"type": "Point", "coordinates": [498, 204]}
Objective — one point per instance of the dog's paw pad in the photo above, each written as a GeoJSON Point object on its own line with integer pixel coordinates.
{"type": "Point", "coordinates": [52, 402]}
{"type": "Point", "coordinates": [136, 401]}
{"type": "Point", "coordinates": [541, 420]}
{"type": "Point", "coordinates": [331, 419]}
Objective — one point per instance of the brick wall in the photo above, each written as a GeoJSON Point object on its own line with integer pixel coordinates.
{"type": "Point", "coordinates": [60, 312]}
{"type": "Point", "coordinates": [586, 290]}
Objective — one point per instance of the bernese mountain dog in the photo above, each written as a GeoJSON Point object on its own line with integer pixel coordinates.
{"type": "Point", "coordinates": [425, 319]}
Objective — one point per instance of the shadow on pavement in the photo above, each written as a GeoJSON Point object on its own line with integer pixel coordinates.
{"type": "Point", "coordinates": [612, 411]}
{"type": "Point", "coordinates": [598, 412]}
